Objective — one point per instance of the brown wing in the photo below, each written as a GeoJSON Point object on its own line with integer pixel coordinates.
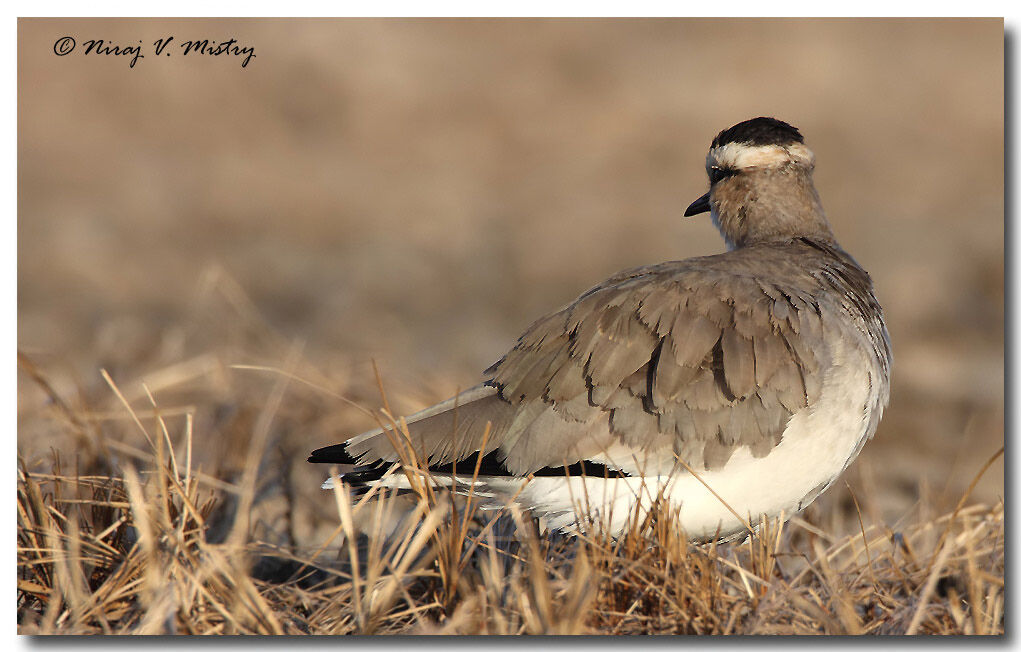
{"type": "Point", "coordinates": [703, 360]}
{"type": "Point", "coordinates": [699, 357]}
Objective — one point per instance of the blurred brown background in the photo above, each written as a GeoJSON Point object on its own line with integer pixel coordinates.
{"type": "Point", "coordinates": [418, 191]}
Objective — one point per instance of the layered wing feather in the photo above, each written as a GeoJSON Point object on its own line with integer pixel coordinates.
{"type": "Point", "coordinates": [697, 357]}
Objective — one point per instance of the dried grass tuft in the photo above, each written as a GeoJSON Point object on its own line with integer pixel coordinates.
{"type": "Point", "coordinates": [140, 538]}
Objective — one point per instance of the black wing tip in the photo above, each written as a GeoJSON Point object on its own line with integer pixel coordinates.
{"type": "Point", "coordinates": [490, 465]}
{"type": "Point", "coordinates": [335, 454]}
{"type": "Point", "coordinates": [493, 465]}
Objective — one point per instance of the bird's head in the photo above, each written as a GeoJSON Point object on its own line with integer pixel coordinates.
{"type": "Point", "coordinates": [760, 183]}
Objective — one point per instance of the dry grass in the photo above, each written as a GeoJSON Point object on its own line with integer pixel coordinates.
{"type": "Point", "coordinates": [145, 533]}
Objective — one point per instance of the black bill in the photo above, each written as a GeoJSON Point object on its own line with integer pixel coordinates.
{"type": "Point", "coordinates": [700, 205]}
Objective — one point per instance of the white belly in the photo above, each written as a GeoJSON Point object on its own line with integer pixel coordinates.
{"type": "Point", "coordinates": [816, 447]}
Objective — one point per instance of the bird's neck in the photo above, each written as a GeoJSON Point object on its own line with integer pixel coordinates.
{"type": "Point", "coordinates": [769, 205]}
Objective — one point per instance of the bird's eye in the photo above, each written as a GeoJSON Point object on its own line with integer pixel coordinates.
{"type": "Point", "coordinates": [717, 174]}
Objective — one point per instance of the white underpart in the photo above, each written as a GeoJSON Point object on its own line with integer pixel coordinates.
{"type": "Point", "coordinates": [817, 445]}
{"type": "Point", "coordinates": [739, 156]}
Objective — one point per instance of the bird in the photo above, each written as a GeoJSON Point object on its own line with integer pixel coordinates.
{"type": "Point", "coordinates": [736, 386]}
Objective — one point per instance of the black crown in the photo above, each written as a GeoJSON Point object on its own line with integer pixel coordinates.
{"type": "Point", "coordinates": [759, 131]}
